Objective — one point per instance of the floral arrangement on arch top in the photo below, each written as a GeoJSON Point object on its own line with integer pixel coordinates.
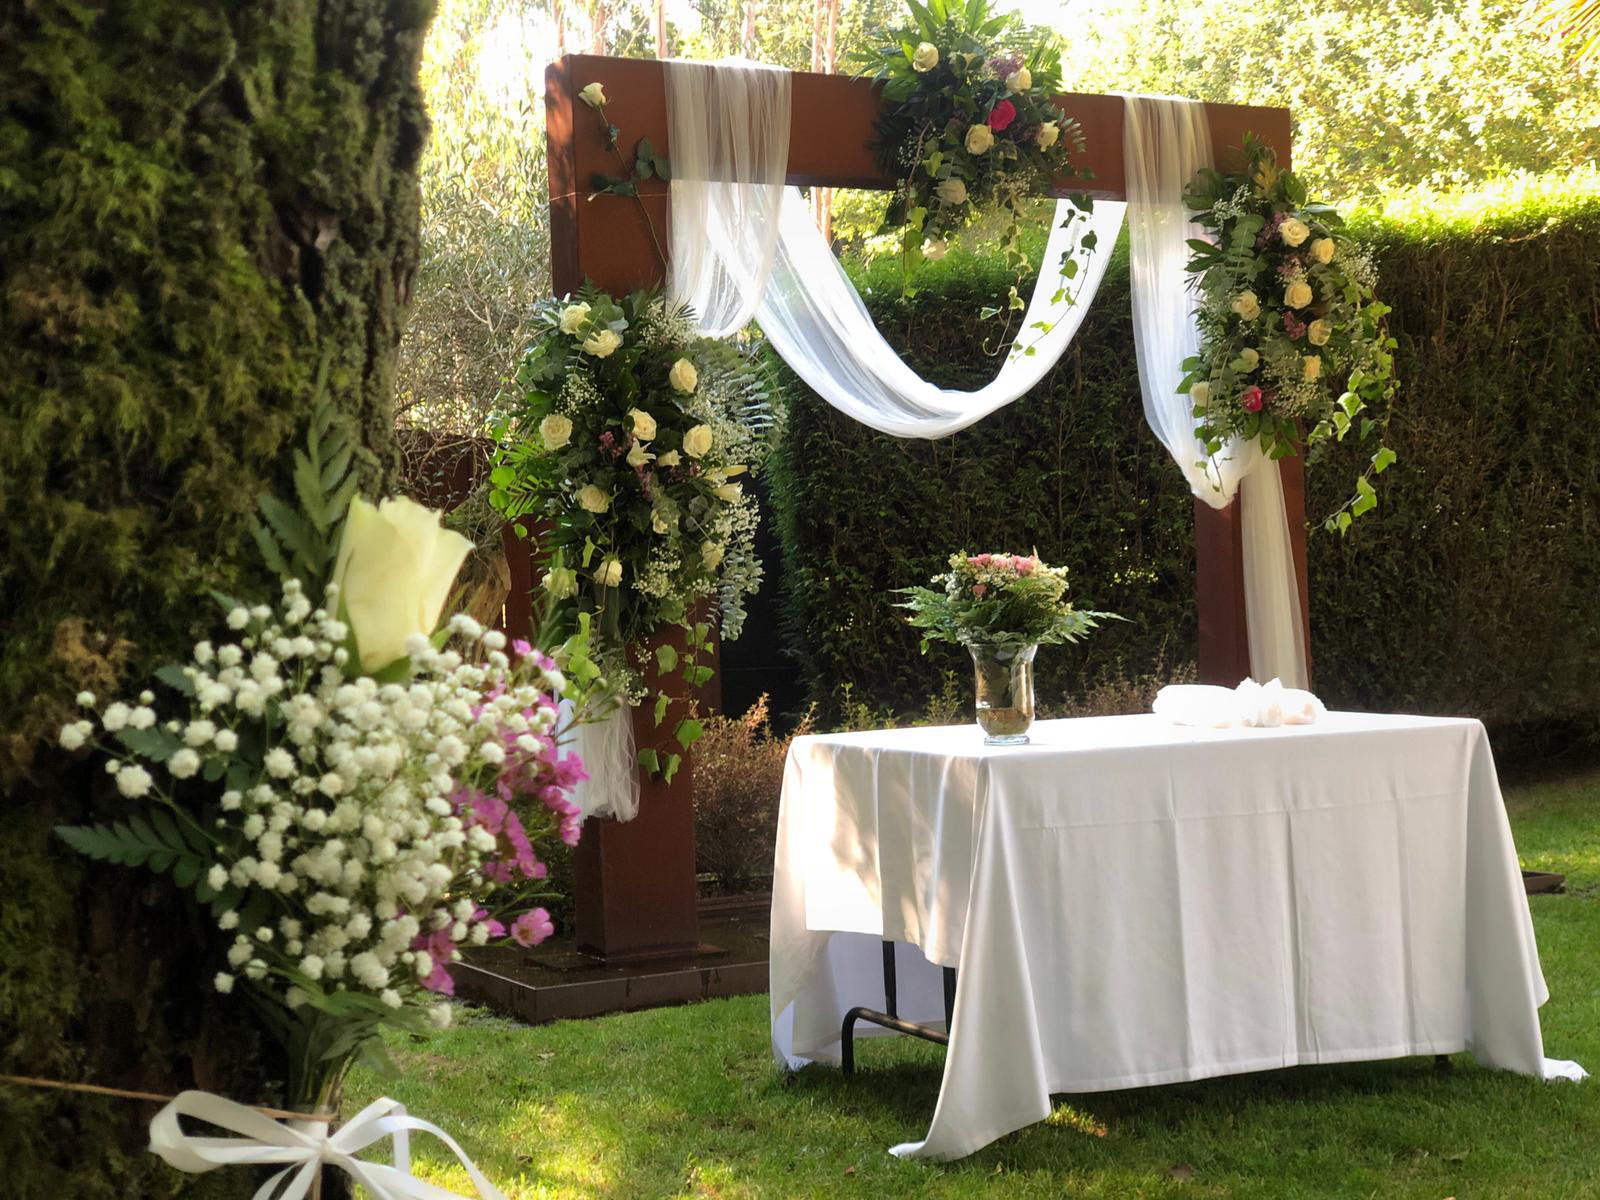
{"type": "Point", "coordinates": [969, 125]}
{"type": "Point", "coordinates": [1291, 332]}
{"type": "Point", "coordinates": [352, 791]}
{"type": "Point", "coordinates": [627, 442]}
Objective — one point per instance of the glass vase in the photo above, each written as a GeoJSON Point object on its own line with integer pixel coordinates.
{"type": "Point", "coordinates": [1004, 679]}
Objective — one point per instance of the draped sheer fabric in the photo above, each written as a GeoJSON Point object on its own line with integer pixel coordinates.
{"type": "Point", "coordinates": [743, 245]}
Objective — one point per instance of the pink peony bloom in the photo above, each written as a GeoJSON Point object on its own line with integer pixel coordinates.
{"type": "Point", "coordinates": [532, 927]}
{"type": "Point", "coordinates": [1001, 115]}
{"type": "Point", "coordinates": [1250, 399]}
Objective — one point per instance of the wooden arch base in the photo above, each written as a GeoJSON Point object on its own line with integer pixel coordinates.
{"type": "Point", "coordinates": [636, 884]}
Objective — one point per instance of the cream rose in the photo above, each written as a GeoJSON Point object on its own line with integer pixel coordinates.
{"type": "Point", "coordinates": [683, 377]}
{"type": "Point", "coordinates": [1250, 358]}
{"type": "Point", "coordinates": [952, 191]}
{"type": "Point", "coordinates": [602, 343]}
{"type": "Point", "coordinates": [980, 138]}
{"type": "Point", "coordinates": [610, 573]}
{"type": "Point", "coordinates": [1047, 136]}
{"type": "Point", "coordinates": [669, 459]}
{"type": "Point", "coordinates": [1318, 332]}
{"type": "Point", "coordinates": [1019, 80]}
{"type": "Point", "coordinates": [1293, 231]}
{"type": "Point", "coordinates": [1297, 294]}
{"type": "Point", "coordinates": [573, 316]}
{"type": "Point", "coordinates": [638, 455]}
{"type": "Point", "coordinates": [1311, 367]}
{"type": "Point", "coordinates": [555, 431]}
{"type": "Point", "coordinates": [641, 424]}
{"type": "Point", "coordinates": [925, 57]}
{"type": "Point", "coordinates": [697, 441]}
{"type": "Point", "coordinates": [395, 567]}
{"type": "Point", "coordinates": [561, 582]}
{"type": "Point", "coordinates": [660, 522]}
{"type": "Point", "coordinates": [1247, 306]}
{"type": "Point", "coordinates": [593, 95]}
{"type": "Point", "coordinates": [1322, 250]}
{"type": "Point", "coordinates": [711, 554]}
{"type": "Point", "coordinates": [592, 499]}
{"type": "Point", "coordinates": [934, 249]}
{"type": "Point", "coordinates": [1200, 394]}
{"type": "Point", "coordinates": [727, 492]}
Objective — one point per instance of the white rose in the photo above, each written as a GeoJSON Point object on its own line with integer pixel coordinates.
{"type": "Point", "coordinates": [980, 138]}
{"type": "Point", "coordinates": [395, 568]}
{"type": "Point", "coordinates": [561, 582]}
{"type": "Point", "coordinates": [592, 499]}
{"type": "Point", "coordinates": [1200, 394]}
{"type": "Point", "coordinates": [610, 573]}
{"type": "Point", "coordinates": [683, 377]}
{"type": "Point", "coordinates": [727, 492]}
{"type": "Point", "coordinates": [1322, 250]}
{"type": "Point", "coordinates": [1293, 231]}
{"type": "Point", "coordinates": [925, 57]}
{"type": "Point", "coordinates": [1318, 332]}
{"type": "Point", "coordinates": [573, 316]}
{"type": "Point", "coordinates": [934, 249]}
{"type": "Point", "coordinates": [555, 431]}
{"type": "Point", "coordinates": [1250, 357]}
{"type": "Point", "coordinates": [952, 191]}
{"type": "Point", "coordinates": [641, 424]}
{"type": "Point", "coordinates": [659, 522]}
{"type": "Point", "coordinates": [1047, 136]}
{"type": "Point", "coordinates": [602, 343]}
{"type": "Point", "coordinates": [1247, 306]}
{"type": "Point", "coordinates": [638, 455]}
{"type": "Point", "coordinates": [593, 95]}
{"type": "Point", "coordinates": [1019, 80]}
{"type": "Point", "coordinates": [1297, 294]}
{"type": "Point", "coordinates": [697, 441]}
{"type": "Point", "coordinates": [1312, 367]}
{"type": "Point", "coordinates": [669, 459]}
{"type": "Point", "coordinates": [711, 554]}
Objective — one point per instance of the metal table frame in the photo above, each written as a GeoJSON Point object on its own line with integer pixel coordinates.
{"type": "Point", "coordinates": [892, 1019]}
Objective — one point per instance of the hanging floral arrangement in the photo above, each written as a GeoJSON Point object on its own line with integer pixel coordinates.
{"type": "Point", "coordinates": [969, 126]}
{"type": "Point", "coordinates": [1292, 335]}
{"type": "Point", "coordinates": [629, 442]}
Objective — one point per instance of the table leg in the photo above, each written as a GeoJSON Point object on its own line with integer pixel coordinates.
{"type": "Point", "coordinates": [891, 1019]}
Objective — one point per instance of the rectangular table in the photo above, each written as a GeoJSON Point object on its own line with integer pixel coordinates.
{"type": "Point", "coordinates": [1131, 902]}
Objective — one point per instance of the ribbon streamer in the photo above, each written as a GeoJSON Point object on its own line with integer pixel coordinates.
{"type": "Point", "coordinates": [304, 1148]}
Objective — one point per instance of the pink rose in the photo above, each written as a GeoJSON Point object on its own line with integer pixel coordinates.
{"type": "Point", "coordinates": [1250, 399]}
{"type": "Point", "coordinates": [1001, 115]}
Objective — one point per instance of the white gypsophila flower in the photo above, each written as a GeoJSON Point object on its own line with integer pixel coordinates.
{"type": "Point", "coordinates": [116, 716]}
{"type": "Point", "coordinates": [226, 741]}
{"type": "Point", "coordinates": [217, 877]}
{"type": "Point", "coordinates": [74, 736]}
{"type": "Point", "coordinates": [279, 763]}
{"type": "Point", "coordinates": [238, 617]}
{"type": "Point", "coordinates": [133, 781]}
{"type": "Point", "coordinates": [198, 733]}
{"type": "Point", "coordinates": [85, 699]}
{"type": "Point", "coordinates": [223, 982]}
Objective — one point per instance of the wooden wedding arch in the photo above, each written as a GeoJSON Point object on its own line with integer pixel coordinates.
{"type": "Point", "coordinates": [635, 881]}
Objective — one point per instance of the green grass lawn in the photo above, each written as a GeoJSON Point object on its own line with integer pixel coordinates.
{"type": "Point", "coordinates": [687, 1101]}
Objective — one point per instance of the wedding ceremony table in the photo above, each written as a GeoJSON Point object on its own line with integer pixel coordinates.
{"type": "Point", "coordinates": [1131, 902]}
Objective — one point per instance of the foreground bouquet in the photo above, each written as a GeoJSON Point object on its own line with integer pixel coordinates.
{"type": "Point", "coordinates": [1010, 600]}
{"type": "Point", "coordinates": [628, 443]}
{"type": "Point", "coordinates": [1291, 334]}
{"type": "Point", "coordinates": [1002, 608]}
{"type": "Point", "coordinates": [969, 125]}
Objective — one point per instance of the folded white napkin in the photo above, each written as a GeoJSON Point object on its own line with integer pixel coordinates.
{"type": "Point", "coordinates": [1251, 704]}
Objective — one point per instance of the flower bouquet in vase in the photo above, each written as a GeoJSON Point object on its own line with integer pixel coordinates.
{"type": "Point", "coordinates": [1002, 608]}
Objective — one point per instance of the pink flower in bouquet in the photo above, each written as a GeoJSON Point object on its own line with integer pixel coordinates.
{"type": "Point", "coordinates": [1001, 116]}
{"type": "Point", "coordinates": [482, 917]}
{"type": "Point", "coordinates": [979, 589]}
{"type": "Point", "coordinates": [981, 560]}
{"type": "Point", "coordinates": [1250, 399]}
{"type": "Point", "coordinates": [1022, 564]}
{"type": "Point", "coordinates": [532, 927]}
{"type": "Point", "coordinates": [1294, 326]}
{"type": "Point", "coordinates": [440, 949]}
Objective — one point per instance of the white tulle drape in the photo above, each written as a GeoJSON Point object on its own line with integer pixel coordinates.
{"type": "Point", "coordinates": [1164, 142]}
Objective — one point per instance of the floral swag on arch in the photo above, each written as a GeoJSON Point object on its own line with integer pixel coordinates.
{"type": "Point", "coordinates": [743, 247]}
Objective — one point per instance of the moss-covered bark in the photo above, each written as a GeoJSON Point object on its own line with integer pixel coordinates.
{"type": "Point", "coordinates": [198, 204]}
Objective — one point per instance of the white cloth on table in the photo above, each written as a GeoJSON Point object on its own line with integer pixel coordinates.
{"type": "Point", "coordinates": [1264, 705]}
{"type": "Point", "coordinates": [1131, 902]}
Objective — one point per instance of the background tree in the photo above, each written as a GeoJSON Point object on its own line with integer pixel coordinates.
{"type": "Point", "coordinates": [198, 206]}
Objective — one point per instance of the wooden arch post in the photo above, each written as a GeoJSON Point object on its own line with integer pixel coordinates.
{"type": "Point", "coordinates": [636, 880]}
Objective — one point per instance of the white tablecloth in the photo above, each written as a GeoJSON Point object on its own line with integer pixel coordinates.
{"type": "Point", "coordinates": [1134, 903]}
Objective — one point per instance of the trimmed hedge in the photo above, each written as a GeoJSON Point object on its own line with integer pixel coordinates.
{"type": "Point", "coordinates": [1472, 589]}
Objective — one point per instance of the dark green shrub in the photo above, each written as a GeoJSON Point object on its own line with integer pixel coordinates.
{"type": "Point", "coordinates": [1472, 589]}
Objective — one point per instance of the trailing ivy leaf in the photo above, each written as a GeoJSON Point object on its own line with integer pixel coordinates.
{"type": "Point", "coordinates": [666, 658]}
{"type": "Point", "coordinates": [649, 760]}
{"type": "Point", "coordinates": [670, 767]}
{"type": "Point", "coordinates": [689, 732]}
{"type": "Point", "coordinates": [662, 700]}
{"type": "Point", "coordinates": [1383, 459]}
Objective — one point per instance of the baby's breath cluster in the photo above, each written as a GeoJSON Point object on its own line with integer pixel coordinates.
{"type": "Point", "coordinates": [362, 830]}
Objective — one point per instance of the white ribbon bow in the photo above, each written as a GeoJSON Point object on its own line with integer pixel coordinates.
{"type": "Point", "coordinates": [304, 1148]}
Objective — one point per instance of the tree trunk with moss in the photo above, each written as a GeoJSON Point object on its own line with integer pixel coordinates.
{"type": "Point", "coordinates": [199, 205]}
